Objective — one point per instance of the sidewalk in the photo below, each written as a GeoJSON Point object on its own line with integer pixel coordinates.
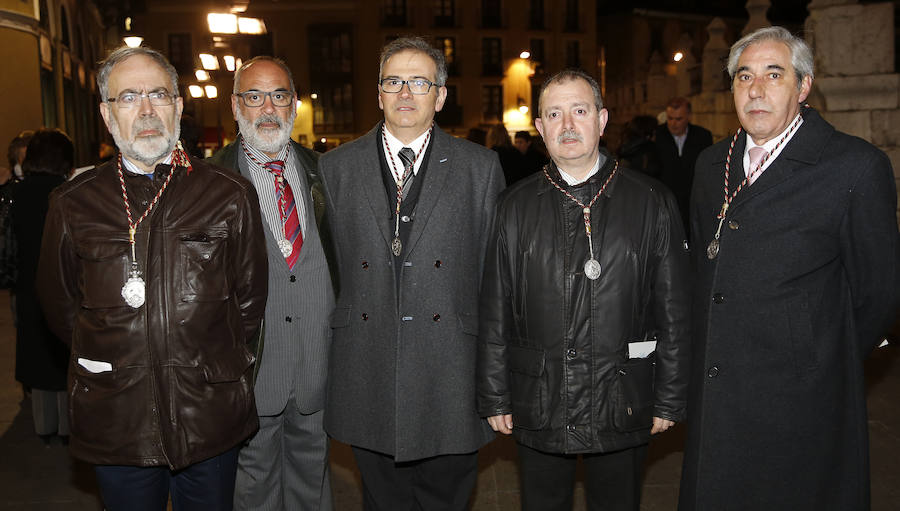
{"type": "Point", "coordinates": [38, 478]}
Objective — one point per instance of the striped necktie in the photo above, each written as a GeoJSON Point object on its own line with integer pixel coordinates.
{"type": "Point", "coordinates": [408, 157]}
{"type": "Point", "coordinates": [288, 209]}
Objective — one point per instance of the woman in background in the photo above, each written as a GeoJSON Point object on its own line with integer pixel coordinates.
{"type": "Point", "coordinates": [41, 358]}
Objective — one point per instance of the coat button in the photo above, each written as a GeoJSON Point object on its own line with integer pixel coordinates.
{"type": "Point", "coordinates": [712, 372]}
{"type": "Point", "coordinates": [438, 263]}
{"type": "Point", "coordinates": [570, 353]}
{"type": "Point", "coordinates": [293, 278]}
{"type": "Point", "coordinates": [404, 219]}
{"type": "Point", "coordinates": [288, 319]}
{"type": "Point", "coordinates": [733, 225]}
{"type": "Point", "coordinates": [365, 316]}
{"type": "Point", "coordinates": [365, 265]}
{"type": "Point", "coordinates": [436, 317]}
{"type": "Point", "coordinates": [570, 427]}
{"type": "Point", "coordinates": [718, 298]}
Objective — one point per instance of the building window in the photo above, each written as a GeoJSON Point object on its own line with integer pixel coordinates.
{"type": "Point", "coordinates": [571, 15]}
{"type": "Point", "coordinates": [573, 54]}
{"type": "Point", "coordinates": [393, 13]}
{"type": "Point", "coordinates": [447, 46]}
{"type": "Point", "coordinates": [64, 28]}
{"type": "Point", "coordinates": [536, 47]}
{"type": "Point", "coordinates": [180, 53]}
{"type": "Point", "coordinates": [331, 77]}
{"type": "Point", "coordinates": [490, 14]}
{"type": "Point", "coordinates": [492, 103]}
{"type": "Point", "coordinates": [536, 15]}
{"type": "Point", "coordinates": [451, 114]}
{"type": "Point", "coordinates": [491, 57]}
{"type": "Point", "coordinates": [444, 13]}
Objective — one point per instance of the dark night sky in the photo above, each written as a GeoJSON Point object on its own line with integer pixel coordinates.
{"type": "Point", "coordinates": [781, 11]}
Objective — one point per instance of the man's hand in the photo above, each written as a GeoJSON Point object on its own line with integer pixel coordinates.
{"type": "Point", "coordinates": [503, 423]}
{"type": "Point", "coordinates": [659, 425]}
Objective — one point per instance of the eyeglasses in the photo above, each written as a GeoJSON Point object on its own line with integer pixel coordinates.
{"type": "Point", "coordinates": [416, 85]}
{"type": "Point", "coordinates": [255, 98]}
{"type": "Point", "coordinates": [130, 99]}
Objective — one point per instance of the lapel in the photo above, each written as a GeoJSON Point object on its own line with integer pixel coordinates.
{"type": "Point", "coordinates": [801, 152]}
{"type": "Point", "coordinates": [367, 173]}
{"type": "Point", "coordinates": [439, 165]}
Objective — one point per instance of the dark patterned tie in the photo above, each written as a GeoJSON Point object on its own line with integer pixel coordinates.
{"type": "Point", "coordinates": [407, 156]}
{"type": "Point", "coordinates": [284, 197]}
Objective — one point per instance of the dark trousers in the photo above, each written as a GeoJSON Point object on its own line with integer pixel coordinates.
{"type": "Point", "coordinates": [612, 480]}
{"type": "Point", "coordinates": [204, 486]}
{"type": "Point", "coordinates": [432, 484]}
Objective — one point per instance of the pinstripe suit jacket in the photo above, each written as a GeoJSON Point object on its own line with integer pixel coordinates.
{"type": "Point", "coordinates": [402, 368]}
{"type": "Point", "coordinates": [297, 331]}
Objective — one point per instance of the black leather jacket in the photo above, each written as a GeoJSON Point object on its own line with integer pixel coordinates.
{"type": "Point", "coordinates": [553, 345]}
{"type": "Point", "coordinates": [178, 387]}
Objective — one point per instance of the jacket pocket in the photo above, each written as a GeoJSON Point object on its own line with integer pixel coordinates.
{"type": "Point", "coordinates": [528, 387]}
{"type": "Point", "coordinates": [203, 267]}
{"type": "Point", "coordinates": [105, 265]}
{"type": "Point", "coordinates": [229, 367]}
{"type": "Point", "coordinates": [633, 394]}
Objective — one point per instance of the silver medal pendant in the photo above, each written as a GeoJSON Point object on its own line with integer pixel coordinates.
{"type": "Point", "coordinates": [133, 290]}
{"type": "Point", "coordinates": [592, 269]}
{"type": "Point", "coordinates": [713, 249]}
{"type": "Point", "coordinates": [396, 247]}
{"type": "Point", "coordinates": [286, 247]}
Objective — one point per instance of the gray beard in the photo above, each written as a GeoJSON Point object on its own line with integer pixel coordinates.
{"type": "Point", "coordinates": [147, 150]}
{"type": "Point", "coordinates": [267, 141]}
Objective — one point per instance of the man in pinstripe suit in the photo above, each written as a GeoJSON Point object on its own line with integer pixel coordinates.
{"type": "Point", "coordinates": [285, 465]}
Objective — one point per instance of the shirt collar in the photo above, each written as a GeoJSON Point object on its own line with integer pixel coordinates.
{"type": "Point", "coordinates": [395, 145]}
{"type": "Point", "coordinates": [572, 181]}
{"type": "Point", "coordinates": [262, 157]}
{"type": "Point", "coordinates": [134, 169]}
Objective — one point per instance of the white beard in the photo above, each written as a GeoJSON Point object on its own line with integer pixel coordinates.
{"type": "Point", "coordinates": [147, 150]}
{"type": "Point", "coordinates": [265, 140]}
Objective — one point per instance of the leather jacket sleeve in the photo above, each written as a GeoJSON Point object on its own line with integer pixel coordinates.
{"type": "Point", "coordinates": [671, 308]}
{"type": "Point", "coordinates": [493, 395]}
{"type": "Point", "coordinates": [251, 268]}
{"type": "Point", "coordinates": [58, 273]}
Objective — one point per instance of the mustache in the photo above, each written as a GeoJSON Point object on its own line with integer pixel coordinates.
{"type": "Point", "coordinates": [756, 105]}
{"type": "Point", "coordinates": [567, 135]}
{"type": "Point", "coordinates": [268, 118]}
{"type": "Point", "coordinates": [148, 123]}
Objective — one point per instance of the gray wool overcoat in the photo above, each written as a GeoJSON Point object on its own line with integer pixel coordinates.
{"type": "Point", "coordinates": [402, 367]}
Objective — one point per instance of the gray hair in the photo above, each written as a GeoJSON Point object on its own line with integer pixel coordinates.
{"type": "Point", "coordinates": [123, 53]}
{"type": "Point", "coordinates": [567, 75]}
{"type": "Point", "coordinates": [801, 54]}
{"type": "Point", "coordinates": [420, 45]}
{"type": "Point", "coordinates": [274, 60]}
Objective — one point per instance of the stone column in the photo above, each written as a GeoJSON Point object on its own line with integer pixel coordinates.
{"type": "Point", "coordinates": [758, 19]}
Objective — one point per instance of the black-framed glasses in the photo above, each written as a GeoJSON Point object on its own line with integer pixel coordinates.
{"type": "Point", "coordinates": [256, 98]}
{"type": "Point", "coordinates": [156, 98]}
{"type": "Point", "coordinates": [416, 85]}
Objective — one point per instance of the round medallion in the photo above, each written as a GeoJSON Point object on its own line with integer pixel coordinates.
{"type": "Point", "coordinates": [286, 247]}
{"type": "Point", "coordinates": [713, 249]}
{"type": "Point", "coordinates": [592, 269]}
{"type": "Point", "coordinates": [133, 291]}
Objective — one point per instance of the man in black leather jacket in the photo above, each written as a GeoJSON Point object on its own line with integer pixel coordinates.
{"type": "Point", "coordinates": [584, 340]}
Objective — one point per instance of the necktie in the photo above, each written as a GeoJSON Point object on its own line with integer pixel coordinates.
{"type": "Point", "coordinates": [288, 210]}
{"type": "Point", "coordinates": [407, 156]}
{"type": "Point", "coordinates": [756, 154]}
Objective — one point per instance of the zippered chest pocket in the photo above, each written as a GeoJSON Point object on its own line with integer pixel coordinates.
{"type": "Point", "coordinates": [203, 264]}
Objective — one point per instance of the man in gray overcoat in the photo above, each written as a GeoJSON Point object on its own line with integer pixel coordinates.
{"type": "Point", "coordinates": [410, 209]}
{"type": "Point", "coordinates": [797, 279]}
{"type": "Point", "coordinates": [285, 465]}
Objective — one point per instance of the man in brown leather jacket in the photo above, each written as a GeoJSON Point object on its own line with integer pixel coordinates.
{"type": "Point", "coordinates": [153, 267]}
{"type": "Point", "coordinates": [583, 344]}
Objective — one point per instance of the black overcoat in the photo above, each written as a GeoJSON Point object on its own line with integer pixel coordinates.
{"type": "Point", "coordinates": [804, 284]}
{"type": "Point", "coordinates": [41, 358]}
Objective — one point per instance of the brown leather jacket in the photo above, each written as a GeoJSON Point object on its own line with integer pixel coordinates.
{"type": "Point", "coordinates": [178, 386]}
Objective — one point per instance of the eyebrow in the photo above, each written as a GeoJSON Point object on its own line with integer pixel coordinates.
{"type": "Point", "coordinates": [280, 89]}
{"type": "Point", "coordinates": [776, 67]}
{"type": "Point", "coordinates": [133, 91]}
